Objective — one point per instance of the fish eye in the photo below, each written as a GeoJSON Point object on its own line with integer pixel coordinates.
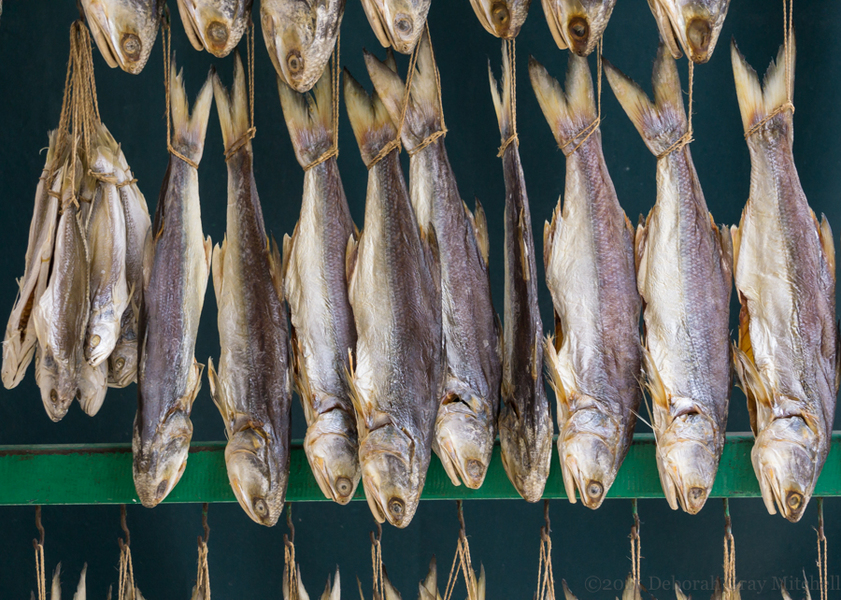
{"type": "Point", "coordinates": [295, 62]}
{"type": "Point", "coordinates": [500, 14]}
{"type": "Point", "coordinates": [260, 507]}
{"type": "Point", "coordinates": [474, 468]}
{"type": "Point", "coordinates": [578, 28]}
{"type": "Point", "coordinates": [396, 506]}
{"type": "Point", "coordinates": [95, 341]}
{"type": "Point", "coordinates": [131, 45]}
{"type": "Point", "coordinates": [403, 24]}
{"type": "Point", "coordinates": [595, 489]}
{"type": "Point", "coordinates": [120, 363]}
{"type": "Point", "coordinates": [343, 486]}
{"type": "Point", "coordinates": [794, 500]}
{"type": "Point", "coordinates": [162, 488]}
{"type": "Point", "coordinates": [217, 33]}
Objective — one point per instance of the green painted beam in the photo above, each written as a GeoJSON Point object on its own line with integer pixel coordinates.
{"type": "Point", "coordinates": [101, 474]}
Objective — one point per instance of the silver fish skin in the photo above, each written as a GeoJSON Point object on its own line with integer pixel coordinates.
{"type": "Point", "coordinates": [588, 251]}
{"type": "Point", "coordinates": [253, 388]}
{"type": "Point", "coordinates": [61, 315]}
{"type": "Point", "coordinates": [122, 363]}
{"type": "Point", "coordinates": [215, 25]}
{"type": "Point", "coordinates": [395, 295]}
{"type": "Point", "coordinates": [300, 36]}
{"type": "Point", "coordinates": [465, 428]}
{"type": "Point", "coordinates": [787, 357]}
{"type": "Point", "coordinates": [124, 30]}
{"type": "Point", "coordinates": [501, 18]}
{"type": "Point", "coordinates": [397, 23]}
{"type": "Point", "coordinates": [690, 25]}
{"type": "Point", "coordinates": [106, 237]}
{"type": "Point", "coordinates": [168, 375]}
{"type": "Point", "coordinates": [315, 284]}
{"type": "Point", "coordinates": [20, 339]}
{"type": "Point", "coordinates": [525, 424]}
{"type": "Point", "coordinates": [684, 275]}
{"type": "Point", "coordinates": [578, 24]}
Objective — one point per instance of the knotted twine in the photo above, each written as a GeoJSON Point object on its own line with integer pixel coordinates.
{"type": "Point", "coordinates": [545, 576]}
{"type": "Point", "coordinates": [290, 567]}
{"type": "Point", "coordinates": [203, 573]}
{"type": "Point", "coordinates": [462, 558]}
{"type": "Point", "coordinates": [40, 570]}
{"type": "Point", "coordinates": [822, 572]}
{"type": "Point", "coordinates": [687, 137]}
{"type": "Point", "coordinates": [730, 587]}
{"type": "Point", "coordinates": [126, 589]}
{"type": "Point", "coordinates": [335, 78]}
{"type": "Point", "coordinates": [635, 545]}
{"type": "Point", "coordinates": [442, 130]}
{"type": "Point", "coordinates": [594, 125]}
{"type": "Point", "coordinates": [511, 50]}
{"type": "Point", "coordinates": [252, 130]}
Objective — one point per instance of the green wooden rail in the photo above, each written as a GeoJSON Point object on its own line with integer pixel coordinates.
{"type": "Point", "coordinates": [101, 474]}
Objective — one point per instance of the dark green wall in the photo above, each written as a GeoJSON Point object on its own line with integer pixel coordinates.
{"type": "Point", "coordinates": [246, 559]}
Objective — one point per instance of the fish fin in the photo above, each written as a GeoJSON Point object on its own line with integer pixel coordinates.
{"type": "Point", "coordinates": [568, 595]}
{"type": "Point", "coordinates": [757, 101]}
{"type": "Point", "coordinates": [660, 123]}
{"type": "Point", "coordinates": [55, 590]}
{"type": "Point", "coordinates": [218, 267]}
{"type": "Point", "coordinates": [679, 593]}
{"type": "Point", "coordinates": [288, 245]}
{"type": "Point", "coordinates": [188, 130]}
{"type": "Point", "coordinates": [309, 117]}
{"type": "Point", "coordinates": [193, 386]}
{"type": "Point", "coordinates": [423, 112]}
{"type": "Point", "coordinates": [208, 256]}
{"type": "Point", "coordinates": [369, 119]}
{"type": "Point", "coordinates": [479, 221]}
{"type": "Point", "coordinates": [552, 360]}
{"type": "Point", "coordinates": [359, 583]}
{"type": "Point", "coordinates": [726, 250]}
{"type": "Point", "coordinates": [351, 254]}
{"type": "Point", "coordinates": [639, 252]}
{"type": "Point", "coordinates": [481, 584]}
{"type": "Point", "coordinates": [217, 394]}
{"type": "Point", "coordinates": [753, 385]}
{"type": "Point", "coordinates": [502, 97]}
{"type": "Point", "coordinates": [232, 106]}
{"type": "Point", "coordinates": [389, 591]}
{"type": "Point", "coordinates": [276, 268]}
{"type": "Point", "coordinates": [428, 588]}
{"type": "Point", "coordinates": [549, 230]}
{"type": "Point", "coordinates": [664, 25]}
{"type": "Point", "coordinates": [736, 241]}
{"type": "Point", "coordinates": [656, 390]}
{"type": "Point", "coordinates": [524, 247]}
{"type": "Point", "coordinates": [569, 112]}
{"type": "Point", "coordinates": [828, 244]}
{"type": "Point", "coordinates": [333, 591]}
{"type": "Point", "coordinates": [81, 589]}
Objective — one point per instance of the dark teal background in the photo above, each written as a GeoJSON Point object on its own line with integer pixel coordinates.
{"type": "Point", "coordinates": [591, 548]}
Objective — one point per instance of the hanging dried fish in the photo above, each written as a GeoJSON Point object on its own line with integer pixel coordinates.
{"type": "Point", "coordinates": [124, 30]}
{"type": "Point", "coordinates": [215, 25]}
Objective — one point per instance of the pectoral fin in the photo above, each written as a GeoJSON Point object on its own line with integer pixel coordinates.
{"type": "Point", "coordinates": [759, 399]}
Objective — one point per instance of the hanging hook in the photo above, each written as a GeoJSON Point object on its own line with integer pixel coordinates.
{"type": "Point", "coordinates": [204, 522]}
{"type": "Point", "coordinates": [289, 522]}
{"type": "Point", "coordinates": [39, 526]}
{"type": "Point", "coordinates": [460, 510]}
{"type": "Point", "coordinates": [548, 526]}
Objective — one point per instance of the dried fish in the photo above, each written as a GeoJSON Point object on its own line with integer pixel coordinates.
{"type": "Point", "coordinates": [694, 24]}
{"type": "Point", "coordinates": [397, 23]}
{"type": "Point", "coordinates": [332, 591]}
{"type": "Point", "coordinates": [300, 37]}
{"type": "Point", "coordinates": [787, 356]}
{"type": "Point", "coordinates": [588, 250]}
{"type": "Point", "coordinates": [124, 30]}
{"type": "Point", "coordinates": [578, 24]}
{"type": "Point", "coordinates": [215, 25]}
{"type": "Point", "coordinates": [502, 18]}
{"type": "Point", "coordinates": [315, 282]}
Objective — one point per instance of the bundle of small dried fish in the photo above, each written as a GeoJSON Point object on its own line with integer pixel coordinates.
{"type": "Point", "coordinates": [684, 278]}
{"type": "Point", "coordinates": [168, 375]}
{"type": "Point", "coordinates": [215, 25]}
{"type": "Point", "coordinates": [466, 425]}
{"type": "Point", "coordinates": [315, 284]}
{"type": "Point", "coordinates": [525, 425]}
{"type": "Point", "coordinates": [397, 23]}
{"type": "Point", "coordinates": [395, 295]}
{"type": "Point", "coordinates": [693, 24]}
{"type": "Point", "coordinates": [253, 388]}
{"type": "Point", "coordinates": [502, 18]}
{"type": "Point", "coordinates": [124, 30]}
{"type": "Point", "coordinates": [588, 250]}
{"type": "Point", "coordinates": [576, 24]}
{"type": "Point", "coordinates": [787, 356]}
{"type": "Point", "coordinates": [300, 37]}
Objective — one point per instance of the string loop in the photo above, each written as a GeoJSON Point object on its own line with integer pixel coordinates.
{"type": "Point", "coordinates": [442, 130]}
{"type": "Point", "coordinates": [463, 560]}
{"type": "Point", "coordinates": [335, 75]}
{"type": "Point", "coordinates": [166, 40]}
{"type": "Point", "coordinates": [126, 589]}
{"type": "Point", "coordinates": [594, 125]}
{"type": "Point", "coordinates": [687, 138]}
{"type": "Point", "coordinates": [511, 49]}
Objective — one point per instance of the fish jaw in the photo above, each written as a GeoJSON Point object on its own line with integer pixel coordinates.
{"type": "Point", "coordinates": [391, 475]}
{"type": "Point", "coordinates": [587, 450]}
{"type": "Point", "coordinates": [786, 470]}
{"type": "Point", "coordinates": [502, 18]}
{"type": "Point", "coordinates": [697, 25]}
{"type": "Point", "coordinates": [400, 23]}
{"type": "Point", "coordinates": [526, 469]}
{"type": "Point", "coordinates": [333, 455]}
{"type": "Point", "coordinates": [464, 441]}
{"type": "Point", "coordinates": [214, 26]}
{"type": "Point", "coordinates": [124, 32]}
{"type": "Point", "coordinates": [160, 461]}
{"type": "Point", "coordinates": [578, 24]}
{"type": "Point", "coordinates": [258, 483]}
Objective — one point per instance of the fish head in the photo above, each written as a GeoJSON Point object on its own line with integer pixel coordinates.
{"type": "Point", "coordinates": [57, 385]}
{"type": "Point", "coordinates": [784, 457]}
{"type": "Point", "coordinates": [465, 439]}
{"type": "Point", "coordinates": [300, 37]}
{"type": "Point", "coordinates": [588, 447]}
{"type": "Point", "coordinates": [696, 24]}
{"type": "Point", "coordinates": [122, 364]}
{"type": "Point", "coordinates": [502, 18]}
{"type": "Point", "coordinates": [255, 476]}
{"type": "Point", "coordinates": [391, 475]}
{"type": "Point", "coordinates": [214, 25]}
{"type": "Point", "coordinates": [526, 464]}
{"type": "Point", "coordinates": [333, 453]}
{"type": "Point", "coordinates": [687, 458]}
{"type": "Point", "coordinates": [124, 31]}
{"type": "Point", "coordinates": [160, 456]}
{"type": "Point", "coordinates": [397, 23]}
{"type": "Point", "coordinates": [578, 24]}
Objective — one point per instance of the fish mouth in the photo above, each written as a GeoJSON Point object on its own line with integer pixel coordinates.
{"type": "Point", "coordinates": [334, 455]}
{"type": "Point", "coordinates": [691, 499]}
{"type": "Point", "coordinates": [786, 470]}
{"type": "Point", "coordinates": [209, 32]}
{"type": "Point", "coordinates": [339, 489]}
{"type": "Point", "coordinates": [258, 508]}
{"type": "Point", "coordinates": [687, 474]}
{"type": "Point", "coordinates": [529, 486]}
{"type": "Point", "coordinates": [58, 389]}
{"type": "Point", "coordinates": [496, 18]}
{"type": "Point", "coordinates": [157, 467]}
{"type": "Point", "coordinates": [471, 471]}
{"type": "Point", "coordinates": [127, 52]}
{"type": "Point", "coordinates": [578, 35]}
{"type": "Point", "coordinates": [699, 39]}
{"type": "Point", "coordinates": [791, 502]}
{"type": "Point", "coordinates": [591, 490]}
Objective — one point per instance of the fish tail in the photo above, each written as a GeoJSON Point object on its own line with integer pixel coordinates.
{"type": "Point", "coordinates": [758, 101]}
{"type": "Point", "coordinates": [424, 115]}
{"type": "Point", "coordinates": [188, 130]}
{"type": "Point", "coordinates": [568, 113]}
{"type": "Point", "coordinates": [371, 123]}
{"type": "Point", "coordinates": [502, 97]}
{"type": "Point", "coordinates": [232, 105]}
{"type": "Point", "coordinates": [660, 123]}
{"type": "Point", "coordinates": [309, 118]}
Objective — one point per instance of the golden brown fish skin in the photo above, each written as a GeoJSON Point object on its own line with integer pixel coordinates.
{"type": "Point", "coordinates": [501, 18]}
{"type": "Point", "coordinates": [684, 268]}
{"type": "Point", "coordinates": [691, 25]}
{"type": "Point", "coordinates": [465, 428]}
{"type": "Point", "coordinates": [787, 355]}
{"type": "Point", "coordinates": [300, 36]}
{"type": "Point", "coordinates": [525, 425]}
{"type": "Point", "coordinates": [215, 25]}
{"type": "Point", "coordinates": [315, 284]}
{"type": "Point", "coordinates": [578, 24]}
{"type": "Point", "coordinates": [589, 255]}
{"type": "Point", "coordinates": [124, 30]}
{"type": "Point", "coordinates": [397, 23]}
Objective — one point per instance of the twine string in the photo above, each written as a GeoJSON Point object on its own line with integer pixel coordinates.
{"type": "Point", "coordinates": [125, 587]}
{"type": "Point", "coordinates": [442, 129]}
{"type": "Point", "coordinates": [166, 40]}
{"type": "Point", "coordinates": [687, 138]}
{"type": "Point", "coordinates": [545, 574]}
{"type": "Point", "coordinates": [203, 574]}
{"type": "Point", "coordinates": [377, 563]}
{"type": "Point", "coordinates": [463, 561]}
{"type": "Point", "coordinates": [511, 49]}
{"type": "Point", "coordinates": [38, 545]}
{"type": "Point", "coordinates": [333, 151]}
{"type": "Point", "coordinates": [252, 130]}
{"type": "Point", "coordinates": [635, 545]}
{"type": "Point", "coordinates": [729, 552]}
{"type": "Point", "coordinates": [822, 554]}
{"type": "Point", "coordinates": [594, 125]}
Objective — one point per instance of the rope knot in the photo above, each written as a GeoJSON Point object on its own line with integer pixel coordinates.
{"type": "Point", "coordinates": [240, 142]}
{"type": "Point", "coordinates": [586, 132]}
